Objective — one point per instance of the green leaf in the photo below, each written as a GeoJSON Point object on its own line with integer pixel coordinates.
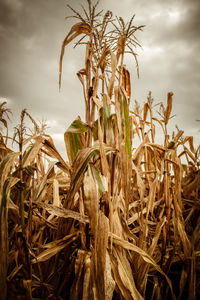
{"type": "Point", "coordinates": [78, 126]}
{"type": "Point", "coordinates": [99, 181]}
{"type": "Point", "coordinates": [75, 138]}
{"type": "Point", "coordinates": [81, 162]}
{"type": "Point", "coordinates": [95, 131]}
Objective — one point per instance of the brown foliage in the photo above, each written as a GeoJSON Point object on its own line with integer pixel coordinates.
{"type": "Point", "coordinates": [114, 222]}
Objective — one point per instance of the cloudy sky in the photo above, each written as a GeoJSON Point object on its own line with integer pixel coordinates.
{"type": "Point", "coordinates": [31, 34]}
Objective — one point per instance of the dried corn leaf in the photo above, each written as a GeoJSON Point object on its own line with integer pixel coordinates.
{"type": "Point", "coordinates": [91, 200]}
{"type": "Point", "coordinates": [109, 281]}
{"type": "Point", "coordinates": [100, 255]}
{"type": "Point", "coordinates": [123, 275]}
{"type": "Point", "coordinates": [183, 237]}
{"type": "Point", "coordinates": [103, 59]}
{"type": "Point", "coordinates": [126, 245]}
{"type": "Point", "coordinates": [144, 267]}
{"type": "Point", "coordinates": [14, 272]}
{"type": "Point", "coordinates": [4, 197]}
{"type": "Point", "coordinates": [53, 152]}
{"type": "Point", "coordinates": [183, 280]}
{"type": "Point", "coordinates": [76, 30]}
{"type": "Point", "coordinates": [63, 212]}
{"type": "Point", "coordinates": [178, 136]}
{"type": "Point", "coordinates": [136, 126]}
{"type": "Point", "coordinates": [191, 143]}
{"type": "Point", "coordinates": [190, 140]}
{"type": "Point", "coordinates": [152, 196]}
{"type": "Point", "coordinates": [5, 168]}
{"type": "Point", "coordinates": [82, 265]}
{"type": "Point", "coordinates": [3, 245]}
{"type": "Point", "coordinates": [32, 152]}
{"type": "Point", "coordinates": [56, 197]}
{"type": "Point", "coordinates": [40, 187]}
{"type": "Point", "coordinates": [54, 247]}
{"type": "Point", "coordinates": [156, 236]}
{"type": "Point", "coordinates": [87, 292]}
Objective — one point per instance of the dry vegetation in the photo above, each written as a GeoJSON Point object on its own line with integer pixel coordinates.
{"type": "Point", "coordinates": [114, 222]}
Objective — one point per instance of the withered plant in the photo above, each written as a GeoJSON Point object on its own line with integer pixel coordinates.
{"type": "Point", "coordinates": [116, 221]}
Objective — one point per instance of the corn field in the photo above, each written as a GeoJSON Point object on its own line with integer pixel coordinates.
{"type": "Point", "coordinates": [115, 221]}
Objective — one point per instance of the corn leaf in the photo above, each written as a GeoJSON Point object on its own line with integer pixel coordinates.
{"type": "Point", "coordinates": [75, 138]}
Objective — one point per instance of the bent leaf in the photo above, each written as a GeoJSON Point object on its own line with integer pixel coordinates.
{"type": "Point", "coordinates": [75, 138]}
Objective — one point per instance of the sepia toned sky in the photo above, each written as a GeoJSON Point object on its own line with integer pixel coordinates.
{"type": "Point", "coordinates": [31, 34]}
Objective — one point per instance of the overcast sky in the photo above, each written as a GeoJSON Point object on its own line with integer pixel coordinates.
{"type": "Point", "coordinates": [31, 34]}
